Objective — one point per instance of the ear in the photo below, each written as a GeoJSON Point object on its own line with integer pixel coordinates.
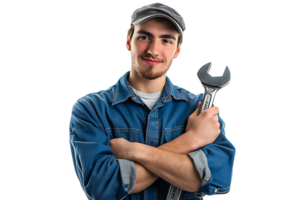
{"type": "Point", "coordinates": [177, 53]}
{"type": "Point", "coordinates": [128, 46]}
{"type": "Point", "coordinates": [178, 49]}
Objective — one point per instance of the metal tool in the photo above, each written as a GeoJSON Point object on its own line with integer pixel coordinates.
{"type": "Point", "coordinates": [211, 86]}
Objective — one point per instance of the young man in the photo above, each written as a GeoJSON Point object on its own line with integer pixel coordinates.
{"type": "Point", "coordinates": [142, 135]}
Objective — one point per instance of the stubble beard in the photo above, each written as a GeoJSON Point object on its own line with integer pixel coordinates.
{"type": "Point", "coordinates": [148, 73]}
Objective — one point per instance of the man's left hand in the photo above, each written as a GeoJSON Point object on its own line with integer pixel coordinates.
{"type": "Point", "coordinates": [122, 148]}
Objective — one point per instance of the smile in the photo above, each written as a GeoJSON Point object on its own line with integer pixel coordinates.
{"type": "Point", "coordinates": [151, 62]}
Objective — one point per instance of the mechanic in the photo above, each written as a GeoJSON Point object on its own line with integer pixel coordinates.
{"type": "Point", "coordinates": [142, 135]}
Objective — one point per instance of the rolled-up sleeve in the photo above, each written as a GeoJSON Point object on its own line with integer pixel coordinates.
{"type": "Point", "coordinates": [128, 173]}
{"type": "Point", "coordinates": [200, 162]}
{"type": "Point", "coordinates": [214, 163]}
{"type": "Point", "coordinates": [97, 169]}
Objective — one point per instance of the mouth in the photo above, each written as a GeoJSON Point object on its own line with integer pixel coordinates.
{"type": "Point", "coordinates": [150, 62]}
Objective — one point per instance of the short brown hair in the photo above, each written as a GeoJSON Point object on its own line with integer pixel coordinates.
{"type": "Point", "coordinates": [131, 30]}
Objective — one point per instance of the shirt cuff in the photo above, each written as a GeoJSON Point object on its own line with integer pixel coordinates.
{"type": "Point", "coordinates": [200, 161]}
{"type": "Point", "coordinates": [128, 173]}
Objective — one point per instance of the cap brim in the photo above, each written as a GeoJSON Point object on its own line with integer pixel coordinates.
{"type": "Point", "coordinates": [142, 20]}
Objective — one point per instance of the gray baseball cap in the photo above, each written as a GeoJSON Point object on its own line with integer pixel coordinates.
{"type": "Point", "coordinates": [145, 13]}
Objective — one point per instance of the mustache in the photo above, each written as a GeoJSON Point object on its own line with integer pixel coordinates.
{"type": "Point", "coordinates": [153, 59]}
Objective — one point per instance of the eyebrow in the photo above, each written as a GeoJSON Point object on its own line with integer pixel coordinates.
{"type": "Point", "coordinates": [161, 36]}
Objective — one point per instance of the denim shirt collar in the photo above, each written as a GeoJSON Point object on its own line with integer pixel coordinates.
{"type": "Point", "coordinates": [124, 91]}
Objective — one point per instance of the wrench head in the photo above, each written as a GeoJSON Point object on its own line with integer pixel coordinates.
{"type": "Point", "coordinates": [217, 81]}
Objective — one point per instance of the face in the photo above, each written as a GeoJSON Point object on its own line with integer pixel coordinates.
{"type": "Point", "coordinates": [153, 40]}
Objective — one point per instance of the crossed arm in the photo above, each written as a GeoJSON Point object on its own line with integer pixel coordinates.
{"type": "Point", "coordinates": [168, 161]}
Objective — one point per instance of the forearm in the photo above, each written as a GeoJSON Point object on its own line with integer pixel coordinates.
{"type": "Point", "coordinates": [177, 169]}
{"type": "Point", "coordinates": [145, 178]}
{"type": "Point", "coordinates": [183, 144]}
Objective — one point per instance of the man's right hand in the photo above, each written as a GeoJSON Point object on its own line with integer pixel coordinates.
{"type": "Point", "coordinates": [204, 128]}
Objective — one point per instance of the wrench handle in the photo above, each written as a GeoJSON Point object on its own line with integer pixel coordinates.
{"type": "Point", "coordinates": [208, 97]}
{"type": "Point", "coordinates": [173, 193]}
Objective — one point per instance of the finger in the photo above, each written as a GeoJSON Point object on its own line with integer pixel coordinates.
{"type": "Point", "coordinates": [216, 110]}
{"type": "Point", "coordinates": [217, 117]}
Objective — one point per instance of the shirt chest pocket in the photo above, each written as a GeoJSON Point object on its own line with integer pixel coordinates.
{"type": "Point", "coordinates": [130, 134]}
{"type": "Point", "coordinates": [173, 133]}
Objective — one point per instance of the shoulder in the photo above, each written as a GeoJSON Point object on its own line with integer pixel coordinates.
{"type": "Point", "coordinates": [96, 100]}
{"type": "Point", "coordinates": [101, 95]}
{"type": "Point", "coordinates": [192, 97]}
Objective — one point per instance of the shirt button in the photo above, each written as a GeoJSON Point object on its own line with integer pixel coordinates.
{"type": "Point", "coordinates": [216, 190]}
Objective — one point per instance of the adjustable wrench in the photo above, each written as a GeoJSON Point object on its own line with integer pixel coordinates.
{"type": "Point", "coordinates": [211, 86]}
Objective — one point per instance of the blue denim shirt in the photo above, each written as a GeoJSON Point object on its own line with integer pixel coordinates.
{"type": "Point", "coordinates": [98, 117]}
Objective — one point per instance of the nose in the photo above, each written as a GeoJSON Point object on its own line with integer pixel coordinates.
{"type": "Point", "coordinates": [154, 47]}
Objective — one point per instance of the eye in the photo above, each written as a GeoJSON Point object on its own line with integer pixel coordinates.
{"type": "Point", "coordinates": [146, 36]}
{"type": "Point", "coordinates": [142, 36]}
{"type": "Point", "coordinates": [168, 41]}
